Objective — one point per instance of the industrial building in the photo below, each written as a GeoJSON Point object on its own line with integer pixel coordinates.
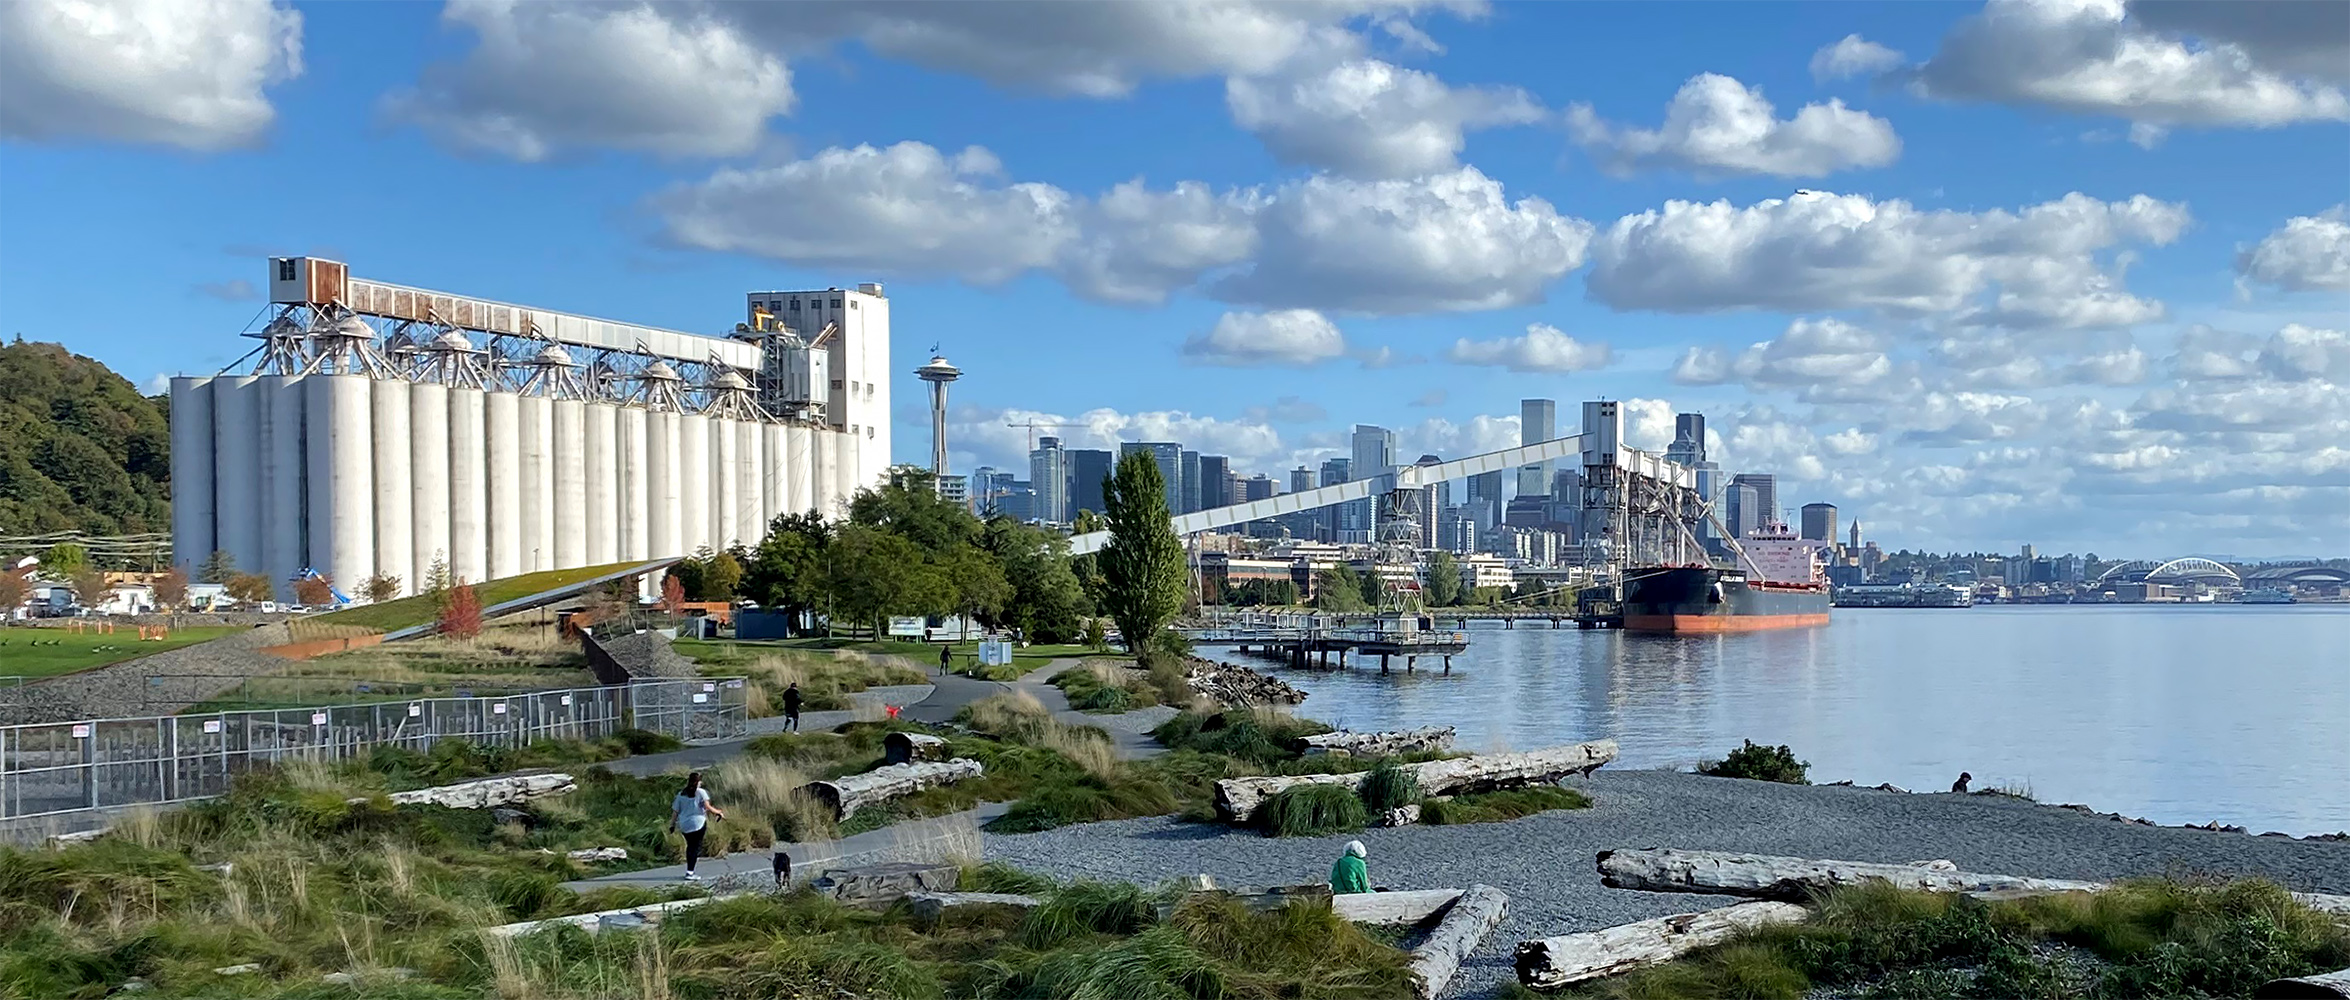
{"type": "Point", "coordinates": [381, 429]}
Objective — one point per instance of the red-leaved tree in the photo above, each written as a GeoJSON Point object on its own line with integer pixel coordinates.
{"type": "Point", "coordinates": [672, 595]}
{"type": "Point", "coordinates": [461, 617]}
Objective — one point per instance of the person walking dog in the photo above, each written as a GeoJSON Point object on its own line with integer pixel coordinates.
{"type": "Point", "coordinates": [690, 814]}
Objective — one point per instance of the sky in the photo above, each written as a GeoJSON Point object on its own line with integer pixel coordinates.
{"type": "Point", "coordinates": [2065, 273]}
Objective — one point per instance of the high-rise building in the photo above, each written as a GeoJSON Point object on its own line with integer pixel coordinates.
{"type": "Point", "coordinates": [1254, 488]}
{"type": "Point", "coordinates": [1743, 504]}
{"type": "Point", "coordinates": [1191, 483]}
{"type": "Point", "coordinates": [1435, 500]}
{"type": "Point", "coordinates": [1374, 455]}
{"type": "Point", "coordinates": [1688, 447]}
{"type": "Point", "coordinates": [1087, 468]}
{"type": "Point", "coordinates": [1709, 487]}
{"type": "Point", "coordinates": [1169, 455]}
{"type": "Point", "coordinates": [1538, 421]}
{"type": "Point", "coordinates": [1048, 475]}
{"type": "Point", "coordinates": [1329, 521]}
{"type": "Point", "coordinates": [1766, 498]}
{"type": "Point", "coordinates": [1819, 522]}
{"type": "Point", "coordinates": [1301, 479]}
{"type": "Point", "coordinates": [1855, 544]}
{"type": "Point", "coordinates": [955, 490]}
{"type": "Point", "coordinates": [1215, 482]}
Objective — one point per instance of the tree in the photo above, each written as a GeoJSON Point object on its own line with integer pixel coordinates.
{"type": "Point", "coordinates": [1373, 587]}
{"type": "Point", "coordinates": [380, 588]}
{"type": "Point", "coordinates": [461, 617]}
{"type": "Point", "coordinates": [980, 588]}
{"type": "Point", "coordinates": [909, 507]}
{"type": "Point", "coordinates": [672, 594]}
{"type": "Point", "coordinates": [437, 580]}
{"type": "Point", "coordinates": [872, 574]}
{"type": "Point", "coordinates": [66, 559]}
{"type": "Point", "coordinates": [13, 590]}
{"type": "Point", "coordinates": [171, 590]}
{"type": "Point", "coordinates": [1444, 579]}
{"type": "Point", "coordinates": [723, 574]}
{"type": "Point", "coordinates": [787, 572]}
{"type": "Point", "coordinates": [249, 588]}
{"type": "Point", "coordinates": [1144, 581]}
{"type": "Point", "coordinates": [1337, 589]}
{"type": "Point", "coordinates": [89, 588]}
{"type": "Point", "coordinates": [1046, 594]}
{"type": "Point", "coordinates": [217, 567]}
{"type": "Point", "coordinates": [314, 591]}
{"type": "Point", "coordinates": [1087, 567]}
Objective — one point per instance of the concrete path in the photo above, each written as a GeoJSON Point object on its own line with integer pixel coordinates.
{"type": "Point", "coordinates": [915, 840]}
{"type": "Point", "coordinates": [694, 758]}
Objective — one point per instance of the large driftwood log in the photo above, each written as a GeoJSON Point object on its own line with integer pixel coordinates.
{"type": "Point", "coordinates": [1392, 907]}
{"type": "Point", "coordinates": [2324, 986]}
{"type": "Point", "coordinates": [487, 792]}
{"type": "Point", "coordinates": [1475, 914]}
{"type": "Point", "coordinates": [934, 905]}
{"type": "Point", "coordinates": [847, 794]}
{"type": "Point", "coordinates": [880, 885]}
{"type": "Point", "coordinates": [1550, 963]}
{"type": "Point", "coordinates": [906, 748]}
{"type": "Point", "coordinates": [1379, 744]}
{"type": "Point", "coordinates": [1238, 799]}
{"type": "Point", "coordinates": [1767, 877]}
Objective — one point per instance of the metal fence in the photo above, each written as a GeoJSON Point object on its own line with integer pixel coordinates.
{"type": "Point", "coordinates": [60, 767]}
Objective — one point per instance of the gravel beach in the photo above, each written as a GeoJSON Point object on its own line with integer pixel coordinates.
{"type": "Point", "coordinates": [1545, 862]}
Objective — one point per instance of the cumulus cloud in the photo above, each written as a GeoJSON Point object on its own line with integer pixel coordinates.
{"type": "Point", "coordinates": [905, 209]}
{"type": "Point", "coordinates": [543, 77]}
{"type": "Point", "coordinates": [2294, 36]}
{"type": "Point", "coordinates": [2295, 353]}
{"type": "Point", "coordinates": [167, 72]}
{"type": "Point", "coordinates": [1292, 338]}
{"type": "Point", "coordinates": [1543, 348]}
{"type": "Point", "coordinates": [981, 438]}
{"type": "Point", "coordinates": [1717, 126]}
{"type": "Point", "coordinates": [2096, 57]}
{"type": "Point", "coordinates": [1440, 243]}
{"type": "Point", "coordinates": [1475, 436]}
{"type": "Point", "coordinates": [1852, 56]}
{"type": "Point", "coordinates": [1367, 118]}
{"type": "Point", "coordinates": [1822, 360]}
{"type": "Point", "coordinates": [2039, 267]}
{"type": "Point", "coordinates": [1136, 245]}
{"type": "Point", "coordinates": [2309, 253]}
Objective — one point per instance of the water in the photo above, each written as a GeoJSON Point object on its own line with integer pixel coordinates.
{"type": "Point", "coordinates": [2178, 714]}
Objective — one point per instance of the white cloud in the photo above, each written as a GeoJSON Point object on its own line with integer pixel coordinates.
{"type": "Point", "coordinates": [981, 434]}
{"type": "Point", "coordinates": [169, 72]}
{"type": "Point", "coordinates": [2123, 367]}
{"type": "Point", "coordinates": [2295, 353]}
{"type": "Point", "coordinates": [1648, 423]}
{"type": "Point", "coordinates": [1817, 251]}
{"type": "Point", "coordinates": [2299, 353]}
{"type": "Point", "coordinates": [2087, 57]}
{"type": "Point", "coordinates": [2293, 36]}
{"type": "Point", "coordinates": [2309, 253]}
{"type": "Point", "coordinates": [1849, 441]}
{"type": "Point", "coordinates": [1295, 338]}
{"type": "Point", "coordinates": [1543, 348]}
{"type": "Point", "coordinates": [1367, 118]}
{"type": "Point", "coordinates": [1444, 242]}
{"type": "Point", "coordinates": [1717, 126]}
{"type": "Point", "coordinates": [544, 77]}
{"type": "Point", "coordinates": [1137, 245]}
{"type": "Point", "coordinates": [906, 209]}
{"type": "Point", "coordinates": [1852, 56]}
{"type": "Point", "coordinates": [1822, 360]}
{"type": "Point", "coordinates": [158, 384]}
{"type": "Point", "coordinates": [1476, 436]}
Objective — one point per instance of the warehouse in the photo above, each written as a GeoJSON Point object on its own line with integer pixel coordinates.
{"type": "Point", "coordinates": [378, 429]}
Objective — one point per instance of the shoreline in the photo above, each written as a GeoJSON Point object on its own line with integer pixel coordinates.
{"type": "Point", "coordinates": [1546, 862]}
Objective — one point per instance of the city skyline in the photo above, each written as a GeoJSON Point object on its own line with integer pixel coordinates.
{"type": "Point", "coordinates": [2071, 319]}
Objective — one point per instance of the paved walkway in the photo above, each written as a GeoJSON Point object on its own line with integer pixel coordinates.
{"type": "Point", "coordinates": [915, 840]}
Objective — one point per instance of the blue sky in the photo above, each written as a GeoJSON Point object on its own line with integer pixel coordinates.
{"type": "Point", "coordinates": [2065, 273]}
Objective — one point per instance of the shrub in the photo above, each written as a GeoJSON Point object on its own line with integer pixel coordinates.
{"type": "Point", "coordinates": [1262, 737]}
{"type": "Point", "coordinates": [1502, 806]}
{"type": "Point", "coordinates": [644, 741]}
{"type": "Point", "coordinates": [1760, 763]}
{"type": "Point", "coordinates": [1388, 787]}
{"type": "Point", "coordinates": [1087, 908]}
{"type": "Point", "coordinates": [1312, 811]}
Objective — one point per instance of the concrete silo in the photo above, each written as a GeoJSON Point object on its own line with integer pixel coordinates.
{"type": "Point", "coordinates": [428, 480]}
{"type": "Point", "coordinates": [285, 540]}
{"type": "Point", "coordinates": [341, 483]}
{"type": "Point", "coordinates": [502, 434]}
{"type": "Point", "coordinates": [603, 483]}
{"type": "Point", "coordinates": [571, 489]}
{"type": "Point", "coordinates": [469, 489]}
{"type": "Point", "coordinates": [192, 435]}
{"type": "Point", "coordinates": [693, 483]}
{"type": "Point", "coordinates": [395, 543]}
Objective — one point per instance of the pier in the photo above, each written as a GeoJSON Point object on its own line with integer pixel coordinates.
{"type": "Point", "coordinates": [1303, 643]}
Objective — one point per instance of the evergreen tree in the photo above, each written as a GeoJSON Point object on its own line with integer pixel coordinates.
{"type": "Point", "coordinates": [216, 568]}
{"type": "Point", "coordinates": [1444, 579]}
{"type": "Point", "coordinates": [1143, 579]}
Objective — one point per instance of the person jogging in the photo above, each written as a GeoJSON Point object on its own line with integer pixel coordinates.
{"type": "Point", "coordinates": [689, 814]}
{"type": "Point", "coordinates": [791, 707]}
{"type": "Point", "coordinates": [946, 659]}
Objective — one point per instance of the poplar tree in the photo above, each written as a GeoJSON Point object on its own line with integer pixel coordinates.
{"type": "Point", "coordinates": [1142, 573]}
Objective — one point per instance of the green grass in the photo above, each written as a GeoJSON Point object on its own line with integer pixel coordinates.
{"type": "Point", "coordinates": [1312, 811]}
{"type": "Point", "coordinates": [1758, 762]}
{"type": "Point", "coordinates": [61, 652]}
{"type": "Point", "coordinates": [1389, 786]}
{"type": "Point", "coordinates": [392, 616]}
{"type": "Point", "coordinates": [826, 676]}
{"type": "Point", "coordinates": [1501, 806]}
{"type": "Point", "coordinates": [1106, 685]}
{"type": "Point", "coordinates": [2147, 938]}
{"type": "Point", "coordinates": [501, 661]}
{"type": "Point", "coordinates": [925, 654]}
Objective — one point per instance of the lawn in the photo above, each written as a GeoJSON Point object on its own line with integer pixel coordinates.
{"type": "Point", "coordinates": [61, 652]}
{"type": "Point", "coordinates": [394, 615]}
{"type": "Point", "coordinates": [506, 660]}
{"type": "Point", "coordinates": [966, 653]}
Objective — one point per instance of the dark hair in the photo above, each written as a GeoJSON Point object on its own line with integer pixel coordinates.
{"type": "Point", "coordinates": [693, 783]}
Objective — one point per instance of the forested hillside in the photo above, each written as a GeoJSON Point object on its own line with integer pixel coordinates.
{"type": "Point", "coordinates": [80, 449]}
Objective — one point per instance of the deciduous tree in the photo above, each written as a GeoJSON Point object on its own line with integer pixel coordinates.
{"type": "Point", "coordinates": [1444, 579]}
{"type": "Point", "coordinates": [1144, 581]}
{"type": "Point", "coordinates": [249, 588]}
{"type": "Point", "coordinates": [380, 588]}
{"type": "Point", "coordinates": [461, 616]}
{"type": "Point", "coordinates": [314, 591]}
{"type": "Point", "coordinates": [89, 588]}
{"type": "Point", "coordinates": [65, 559]}
{"type": "Point", "coordinates": [171, 590]}
{"type": "Point", "coordinates": [13, 590]}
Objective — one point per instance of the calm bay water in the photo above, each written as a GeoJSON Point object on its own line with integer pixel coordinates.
{"type": "Point", "coordinates": [2178, 714]}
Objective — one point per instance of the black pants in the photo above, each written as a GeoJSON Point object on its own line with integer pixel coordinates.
{"type": "Point", "coordinates": [693, 847]}
{"type": "Point", "coordinates": [791, 719]}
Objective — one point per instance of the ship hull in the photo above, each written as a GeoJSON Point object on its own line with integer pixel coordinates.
{"type": "Point", "coordinates": [1698, 600]}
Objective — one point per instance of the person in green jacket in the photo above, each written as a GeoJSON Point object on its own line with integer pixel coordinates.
{"type": "Point", "coordinates": [1349, 874]}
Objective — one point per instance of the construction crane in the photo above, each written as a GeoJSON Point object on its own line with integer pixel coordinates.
{"type": "Point", "coordinates": [1032, 425]}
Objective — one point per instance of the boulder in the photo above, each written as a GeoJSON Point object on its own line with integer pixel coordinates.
{"type": "Point", "coordinates": [881, 885]}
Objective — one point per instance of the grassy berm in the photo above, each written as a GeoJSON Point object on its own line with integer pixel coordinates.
{"type": "Point", "coordinates": [2147, 938]}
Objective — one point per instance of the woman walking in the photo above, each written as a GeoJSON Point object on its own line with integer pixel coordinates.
{"type": "Point", "coordinates": [689, 814]}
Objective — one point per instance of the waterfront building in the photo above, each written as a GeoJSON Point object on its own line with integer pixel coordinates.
{"type": "Point", "coordinates": [1169, 455]}
{"type": "Point", "coordinates": [1048, 475]}
{"type": "Point", "coordinates": [1538, 421]}
{"type": "Point", "coordinates": [1819, 522]}
{"type": "Point", "coordinates": [1486, 571]}
{"type": "Point", "coordinates": [1087, 468]}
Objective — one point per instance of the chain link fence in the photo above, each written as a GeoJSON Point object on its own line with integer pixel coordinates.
{"type": "Point", "coordinates": [53, 768]}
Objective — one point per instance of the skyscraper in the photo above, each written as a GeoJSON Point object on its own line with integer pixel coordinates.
{"type": "Point", "coordinates": [1374, 455]}
{"type": "Point", "coordinates": [1256, 487]}
{"type": "Point", "coordinates": [1301, 479]}
{"type": "Point", "coordinates": [1191, 490]}
{"type": "Point", "coordinates": [1087, 468]}
{"type": "Point", "coordinates": [1048, 476]}
{"type": "Point", "coordinates": [1435, 499]}
{"type": "Point", "coordinates": [1329, 521]}
{"type": "Point", "coordinates": [1688, 447]}
{"type": "Point", "coordinates": [1854, 545]}
{"type": "Point", "coordinates": [1169, 455]}
{"type": "Point", "coordinates": [1743, 505]}
{"type": "Point", "coordinates": [1215, 481]}
{"type": "Point", "coordinates": [1819, 521]}
{"type": "Point", "coordinates": [1538, 421]}
{"type": "Point", "coordinates": [1766, 497]}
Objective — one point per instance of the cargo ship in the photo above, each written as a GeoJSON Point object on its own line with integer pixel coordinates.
{"type": "Point", "coordinates": [1778, 583]}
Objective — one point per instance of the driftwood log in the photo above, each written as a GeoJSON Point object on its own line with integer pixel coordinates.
{"type": "Point", "coordinates": [1764, 876]}
{"type": "Point", "coordinates": [883, 884]}
{"type": "Point", "coordinates": [906, 748]}
{"type": "Point", "coordinates": [1392, 907]}
{"type": "Point", "coordinates": [1550, 963]}
{"type": "Point", "coordinates": [847, 794]}
{"type": "Point", "coordinates": [930, 905]}
{"type": "Point", "coordinates": [2325, 986]}
{"type": "Point", "coordinates": [486, 793]}
{"type": "Point", "coordinates": [1238, 799]}
{"type": "Point", "coordinates": [1466, 922]}
{"type": "Point", "coordinates": [1379, 744]}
